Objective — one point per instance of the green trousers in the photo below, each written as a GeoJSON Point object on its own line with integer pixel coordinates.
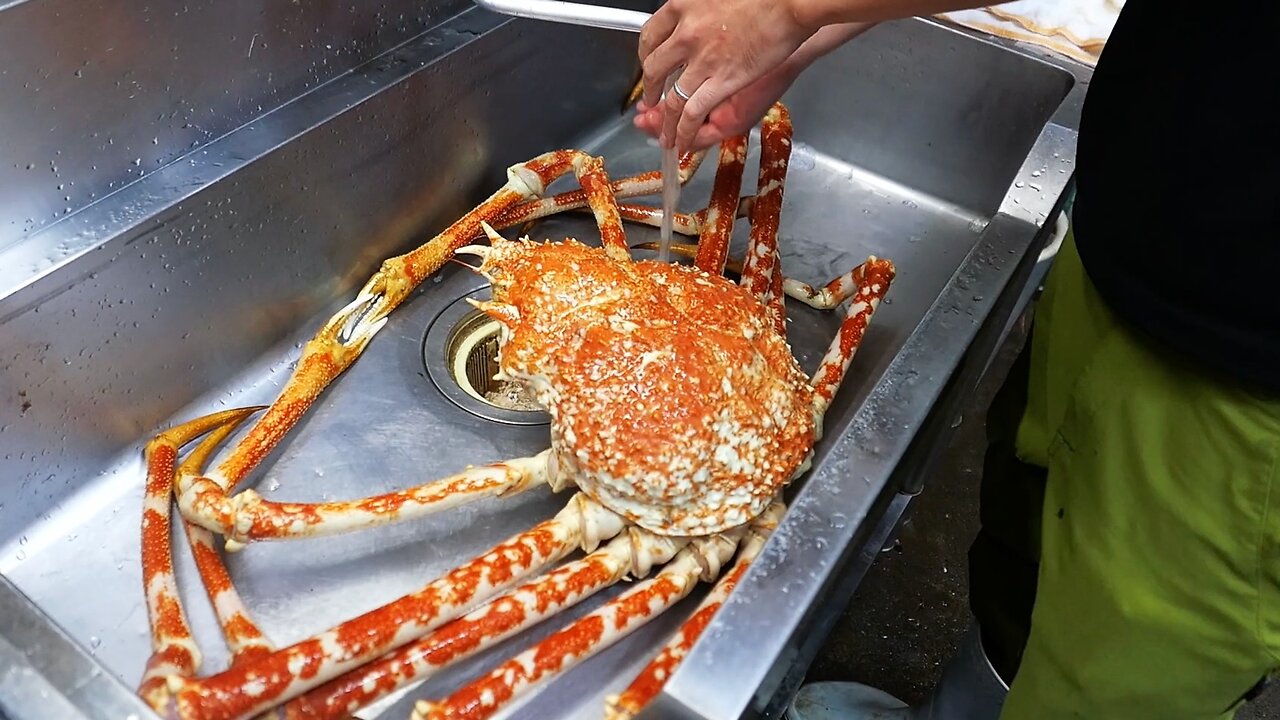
{"type": "Point", "coordinates": [1128, 564]}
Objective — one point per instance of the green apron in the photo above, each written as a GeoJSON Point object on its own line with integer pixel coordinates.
{"type": "Point", "coordinates": [1157, 544]}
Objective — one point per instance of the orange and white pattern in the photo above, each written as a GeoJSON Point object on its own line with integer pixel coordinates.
{"type": "Point", "coordinates": [678, 413]}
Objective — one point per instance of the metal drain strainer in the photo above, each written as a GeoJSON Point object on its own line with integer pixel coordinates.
{"type": "Point", "coordinates": [461, 354]}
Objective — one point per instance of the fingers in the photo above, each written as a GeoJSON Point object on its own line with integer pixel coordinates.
{"type": "Point", "coordinates": [673, 110]}
{"type": "Point", "coordinates": [657, 29]}
{"type": "Point", "coordinates": [656, 34]}
{"type": "Point", "coordinates": [714, 96]}
{"type": "Point", "coordinates": [659, 66]}
{"type": "Point", "coordinates": [649, 122]}
{"type": "Point", "coordinates": [724, 121]}
{"type": "Point", "coordinates": [707, 136]}
{"type": "Point", "coordinates": [691, 116]}
{"type": "Point", "coordinates": [664, 48]}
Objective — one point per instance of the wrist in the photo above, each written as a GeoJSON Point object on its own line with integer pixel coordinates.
{"type": "Point", "coordinates": [812, 15]}
{"type": "Point", "coordinates": [791, 68]}
{"type": "Point", "coordinates": [822, 42]}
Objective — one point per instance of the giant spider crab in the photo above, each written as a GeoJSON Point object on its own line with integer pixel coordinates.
{"type": "Point", "coordinates": [677, 410]}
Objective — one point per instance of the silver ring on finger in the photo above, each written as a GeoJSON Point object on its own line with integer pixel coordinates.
{"type": "Point", "coordinates": [675, 87]}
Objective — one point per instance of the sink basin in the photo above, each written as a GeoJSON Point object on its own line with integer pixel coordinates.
{"type": "Point", "coordinates": [192, 289]}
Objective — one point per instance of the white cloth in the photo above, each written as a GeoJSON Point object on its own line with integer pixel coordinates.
{"type": "Point", "coordinates": [1075, 28]}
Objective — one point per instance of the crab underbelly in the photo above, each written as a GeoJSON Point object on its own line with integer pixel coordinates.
{"type": "Point", "coordinates": [675, 504]}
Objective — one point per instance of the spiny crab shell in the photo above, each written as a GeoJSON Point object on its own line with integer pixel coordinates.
{"type": "Point", "coordinates": [673, 400]}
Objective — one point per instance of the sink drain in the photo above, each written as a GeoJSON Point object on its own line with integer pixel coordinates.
{"type": "Point", "coordinates": [461, 355]}
{"type": "Point", "coordinates": [472, 350]}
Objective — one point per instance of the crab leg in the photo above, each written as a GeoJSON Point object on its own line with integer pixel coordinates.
{"type": "Point", "coordinates": [684, 223]}
{"type": "Point", "coordinates": [649, 183]}
{"type": "Point", "coordinates": [761, 272]}
{"type": "Point", "coordinates": [821, 299]}
{"type": "Point", "coordinates": [204, 500]}
{"type": "Point", "coordinates": [247, 517]}
{"type": "Point", "coordinates": [828, 296]}
{"type": "Point", "coordinates": [346, 334]}
{"type": "Point", "coordinates": [713, 241]}
{"type": "Point", "coordinates": [244, 639]}
{"type": "Point", "coordinates": [259, 684]}
{"type": "Point", "coordinates": [484, 627]}
{"type": "Point", "coordinates": [866, 285]}
{"type": "Point", "coordinates": [587, 636]}
{"type": "Point", "coordinates": [649, 682]}
{"type": "Point", "coordinates": [173, 651]}
{"type": "Point", "coordinates": [604, 205]}
{"type": "Point", "coordinates": [637, 91]}
{"type": "Point", "coordinates": [687, 250]}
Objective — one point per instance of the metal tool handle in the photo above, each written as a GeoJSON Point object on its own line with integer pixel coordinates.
{"type": "Point", "coordinates": [571, 13]}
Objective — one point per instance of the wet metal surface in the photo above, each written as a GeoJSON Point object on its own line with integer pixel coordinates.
{"type": "Point", "coordinates": [99, 94]}
{"type": "Point", "coordinates": [201, 299]}
{"type": "Point", "coordinates": [907, 616]}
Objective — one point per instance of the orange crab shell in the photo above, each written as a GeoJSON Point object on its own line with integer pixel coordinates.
{"type": "Point", "coordinates": [673, 400]}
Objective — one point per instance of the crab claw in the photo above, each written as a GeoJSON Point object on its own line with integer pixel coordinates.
{"type": "Point", "coordinates": [502, 312]}
{"type": "Point", "coordinates": [479, 251]}
{"type": "Point", "coordinates": [494, 237]}
{"type": "Point", "coordinates": [637, 92]}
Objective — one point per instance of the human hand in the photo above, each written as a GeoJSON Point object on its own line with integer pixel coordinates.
{"type": "Point", "coordinates": [735, 116]}
{"type": "Point", "coordinates": [723, 46]}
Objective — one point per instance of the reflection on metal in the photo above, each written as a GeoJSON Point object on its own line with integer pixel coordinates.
{"type": "Point", "coordinates": [597, 16]}
{"type": "Point", "coordinates": [461, 355]}
{"type": "Point", "coordinates": [44, 675]}
{"type": "Point", "coordinates": [101, 93]}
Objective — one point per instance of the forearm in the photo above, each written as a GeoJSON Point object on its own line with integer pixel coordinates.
{"type": "Point", "coordinates": [822, 42]}
{"type": "Point", "coordinates": [823, 13]}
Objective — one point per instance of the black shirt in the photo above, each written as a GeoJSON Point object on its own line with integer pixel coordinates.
{"type": "Point", "coordinates": [1178, 182]}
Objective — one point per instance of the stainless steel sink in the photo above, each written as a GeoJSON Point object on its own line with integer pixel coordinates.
{"type": "Point", "coordinates": [191, 290]}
